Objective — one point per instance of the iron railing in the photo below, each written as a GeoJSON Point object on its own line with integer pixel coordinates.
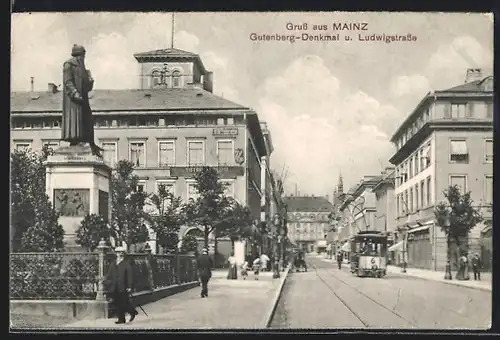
{"type": "Point", "coordinates": [79, 276]}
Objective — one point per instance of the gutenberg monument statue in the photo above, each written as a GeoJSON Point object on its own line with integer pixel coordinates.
{"type": "Point", "coordinates": [77, 121]}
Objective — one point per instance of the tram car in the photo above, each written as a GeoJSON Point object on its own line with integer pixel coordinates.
{"type": "Point", "coordinates": [369, 254]}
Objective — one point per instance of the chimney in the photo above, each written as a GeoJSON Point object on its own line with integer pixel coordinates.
{"type": "Point", "coordinates": [208, 81]}
{"type": "Point", "coordinates": [473, 74]}
{"type": "Point", "coordinates": [53, 88]}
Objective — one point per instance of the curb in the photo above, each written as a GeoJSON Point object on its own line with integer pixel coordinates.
{"type": "Point", "coordinates": [451, 282]}
{"type": "Point", "coordinates": [268, 316]}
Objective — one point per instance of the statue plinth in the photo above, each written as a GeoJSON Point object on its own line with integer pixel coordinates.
{"type": "Point", "coordinates": [77, 183]}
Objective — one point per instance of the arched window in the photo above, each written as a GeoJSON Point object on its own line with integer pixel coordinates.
{"type": "Point", "coordinates": [155, 78]}
{"type": "Point", "coordinates": [194, 232]}
{"type": "Point", "coordinates": [176, 78]}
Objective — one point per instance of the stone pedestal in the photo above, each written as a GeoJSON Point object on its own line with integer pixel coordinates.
{"type": "Point", "coordinates": [78, 184]}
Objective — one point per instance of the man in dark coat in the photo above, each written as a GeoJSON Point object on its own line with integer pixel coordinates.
{"type": "Point", "coordinates": [119, 282]}
{"type": "Point", "coordinates": [476, 266]}
{"type": "Point", "coordinates": [204, 271]}
{"type": "Point", "coordinates": [77, 122]}
{"type": "Point", "coordinates": [339, 259]}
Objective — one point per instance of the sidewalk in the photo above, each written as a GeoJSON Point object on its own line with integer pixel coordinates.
{"type": "Point", "coordinates": [230, 304]}
{"type": "Point", "coordinates": [438, 276]}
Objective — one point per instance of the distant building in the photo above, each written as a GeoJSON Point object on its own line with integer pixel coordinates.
{"type": "Point", "coordinates": [308, 221]}
{"type": "Point", "coordinates": [446, 140]}
{"type": "Point", "coordinates": [169, 128]}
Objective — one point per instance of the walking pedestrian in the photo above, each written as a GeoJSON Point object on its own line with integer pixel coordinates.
{"type": "Point", "coordinates": [339, 259]}
{"type": "Point", "coordinates": [264, 260]}
{"type": "Point", "coordinates": [119, 284]}
{"type": "Point", "coordinates": [476, 266]}
{"type": "Point", "coordinates": [256, 267]}
{"type": "Point", "coordinates": [244, 270]}
{"type": "Point", "coordinates": [204, 271]}
{"type": "Point", "coordinates": [232, 274]}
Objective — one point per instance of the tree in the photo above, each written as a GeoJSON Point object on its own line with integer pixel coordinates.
{"type": "Point", "coordinates": [189, 243]}
{"type": "Point", "coordinates": [167, 218]}
{"type": "Point", "coordinates": [208, 209]}
{"type": "Point", "coordinates": [34, 221]}
{"type": "Point", "coordinates": [91, 230]}
{"type": "Point", "coordinates": [457, 217]}
{"type": "Point", "coordinates": [127, 214]}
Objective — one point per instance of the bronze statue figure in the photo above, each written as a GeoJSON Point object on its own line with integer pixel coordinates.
{"type": "Point", "coordinates": [77, 121]}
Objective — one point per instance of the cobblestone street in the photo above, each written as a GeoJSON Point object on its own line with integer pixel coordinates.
{"type": "Point", "coordinates": [326, 297]}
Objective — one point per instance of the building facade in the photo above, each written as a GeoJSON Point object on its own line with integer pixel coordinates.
{"type": "Point", "coordinates": [169, 128]}
{"type": "Point", "coordinates": [446, 140]}
{"type": "Point", "coordinates": [308, 222]}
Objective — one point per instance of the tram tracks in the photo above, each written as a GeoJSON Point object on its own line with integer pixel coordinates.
{"type": "Point", "coordinates": [359, 317]}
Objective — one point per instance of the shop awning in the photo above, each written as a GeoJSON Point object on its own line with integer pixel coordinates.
{"type": "Point", "coordinates": [459, 148]}
{"type": "Point", "coordinates": [346, 247]}
{"type": "Point", "coordinates": [321, 243]}
{"type": "Point", "coordinates": [421, 228]}
{"type": "Point", "coordinates": [397, 246]}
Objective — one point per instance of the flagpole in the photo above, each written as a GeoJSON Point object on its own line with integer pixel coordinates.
{"type": "Point", "coordinates": [172, 39]}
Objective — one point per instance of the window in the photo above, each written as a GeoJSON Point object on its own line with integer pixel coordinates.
{"type": "Point", "coordinates": [489, 110]}
{"type": "Point", "coordinates": [225, 154]}
{"type": "Point", "coordinates": [422, 202]}
{"type": "Point", "coordinates": [155, 78]}
{"type": "Point", "coordinates": [138, 153]}
{"type": "Point", "coordinates": [230, 121]}
{"type": "Point", "coordinates": [51, 144]}
{"type": "Point", "coordinates": [411, 167]}
{"type": "Point", "coordinates": [458, 151]}
{"type": "Point", "coordinates": [427, 115]}
{"type": "Point", "coordinates": [417, 197]}
{"type": "Point", "coordinates": [23, 146]}
{"type": "Point", "coordinates": [428, 191]}
{"type": "Point", "coordinates": [458, 111]}
{"type": "Point", "coordinates": [228, 187]}
{"type": "Point", "coordinates": [141, 186]}
{"type": "Point", "coordinates": [166, 153]}
{"type": "Point", "coordinates": [176, 79]}
{"type": "Point", "coordinates": [460, 180]}
{"type": "Point", "coordinates": [220, 121]}
{"type": "Point", "coordinates": [398, 207]}
{"type": "Point", "coordinates": [196, 152]}
{"type": "Point", "coordinates": [406, 206]}
{"type": "Point", "coordinates": [422, 160]}
{"type": "Point", "coordinates": [169, 187]}
{"type": "Point", "coordinates": [410, 201]}
{"type": "Point", "coordinates": [109, 154]}
{"type": "Point", "coordinates": [192, 193]}
{"type": "Point", "coordinates": [489, 189]}
{"type": "Point", "coordinates": [488, 150]}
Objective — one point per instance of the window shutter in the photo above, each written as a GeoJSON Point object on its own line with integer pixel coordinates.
{"type": "Point", "coordinates": [470, 110]}
{"type": "Point", "coordinates": [447, 110]}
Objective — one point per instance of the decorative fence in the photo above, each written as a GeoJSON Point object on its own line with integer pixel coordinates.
{"type": "Point", "coordinates": [78, 276]}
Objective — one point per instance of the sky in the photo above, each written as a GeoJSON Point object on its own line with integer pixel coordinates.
{"type": "Point", "coordinates": [331, 107]}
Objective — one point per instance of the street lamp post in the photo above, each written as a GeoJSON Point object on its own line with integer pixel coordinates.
{"type": "Point", "coordinates": [447, 275]}
{"type": "Point", "coordinates": [276, 233]}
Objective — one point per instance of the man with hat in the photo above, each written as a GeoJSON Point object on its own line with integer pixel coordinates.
{"type": "Point", "coordinates": [204, 271]}
{"type": "Point", "coordinates": [119, 282]}
{"type": "Point", "coordinates": [77, 122]}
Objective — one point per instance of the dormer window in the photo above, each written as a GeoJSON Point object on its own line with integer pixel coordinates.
{"type": "Point", "coordinates": [176, 79]}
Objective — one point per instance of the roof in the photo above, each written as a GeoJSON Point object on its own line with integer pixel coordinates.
{"type": "Point", "coordinates": [126, 100]}
{"type": "Point", "coordinates": [308, 204]}
{"type": "Point", "coordinates": [170, 53]}
{"type": "Point", "coordinates": [386, 179]}
{"type": "Point", "coordinates": [474, 87]}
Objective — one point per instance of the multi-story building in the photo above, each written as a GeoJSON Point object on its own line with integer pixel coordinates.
{"type": "Point", "coordinates": [385, 207]}
{"type": "Point", "coordinates": [308, 221]}
{"type": "Point", "coordinates": [169, 128]}
{"type": "Point", "coordinates": [446, 140]}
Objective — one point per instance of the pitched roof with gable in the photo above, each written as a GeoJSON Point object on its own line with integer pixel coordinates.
{"type": "Point", "coordinates": [126, 100]}
{"type": "Point", "coordinates": [308, 204]}
{"type": "Point", "coordinates": [474, 86]}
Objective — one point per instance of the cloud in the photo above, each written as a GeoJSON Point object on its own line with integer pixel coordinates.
{"type": "Point", "coordinates": [410, 85]}
{"type": "Point", "coordinates": [320, 128]}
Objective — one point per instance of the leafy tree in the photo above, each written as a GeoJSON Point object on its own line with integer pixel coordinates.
{"type": "Point", "coordinates": [34, 221]}
{"type": "Point", "coordinates": [457, 217]}
{"type": "Point", "coordinates": [91, 230]}
{"type": "Point", "coordinates": [167, 218]}
{"type": "Point", "coordinates": [189, 243]}
{"type": "Point", "coordinates": [127, 214]}
{"type": "Point", "coordinates": [208, 209]}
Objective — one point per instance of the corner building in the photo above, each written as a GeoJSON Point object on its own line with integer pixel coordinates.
{"type": "Point", "coordinates": [446, 140]}
{"type": "Point", "coordinates": [169, 128]}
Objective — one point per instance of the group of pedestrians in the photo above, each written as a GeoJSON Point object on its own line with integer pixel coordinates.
{"type": "Point", "coordinates": [260, 263]}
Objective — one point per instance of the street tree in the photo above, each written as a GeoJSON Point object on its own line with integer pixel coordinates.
{"type": "Point", "coordinates": [456, 217]}
{"type": "Point", "coordinates": [34, 221]}
{"type": "Point", "coordinates": [91, 230]}
{"type": "Point", "coordinates": [208, 208]}
{"type": "Point", "coordinates": [127, 213]}
{"type": "Point", "coordinates": [167, 217]}
{"type": "Point", "coordinates": [189, 243]}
